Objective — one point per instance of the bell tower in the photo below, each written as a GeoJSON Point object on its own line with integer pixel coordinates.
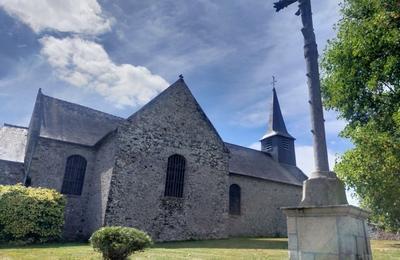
{"type": "Point", "coordinates": [277, 141]}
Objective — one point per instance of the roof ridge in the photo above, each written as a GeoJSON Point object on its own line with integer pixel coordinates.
{"type": "Point", "coordinates": [266, 153]}
{"type": "Point", "coordinates": [82, 106]}
{"type": "Point", "coordinates": [265, 178]}
{"type": "Point", "coordinates": [14, 126]}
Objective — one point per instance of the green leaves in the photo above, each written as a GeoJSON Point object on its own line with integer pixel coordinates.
{"type": "Point", "coordinates": [117, 243]}
{"type": "Point", "coordinates": [361, 66]}
{"type": "Point", "coordinates": [361, 80]}
{"type": "Point", "coordinates": [30, 214]}
{"type": "Point", "coordinates": [372, 169]}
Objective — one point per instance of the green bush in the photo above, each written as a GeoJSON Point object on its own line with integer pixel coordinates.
{"type": "Point", "coordinates": [116, 243]}
{"type": "Point", "coordinates": [29, 215]}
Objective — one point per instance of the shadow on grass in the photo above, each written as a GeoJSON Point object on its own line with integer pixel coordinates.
{"type": "Point", "coordinates": [233, 243]}
{"type": "Point", "coordinates": [38, 246]}
{"type": "Point", "coordinates": [397, 245]}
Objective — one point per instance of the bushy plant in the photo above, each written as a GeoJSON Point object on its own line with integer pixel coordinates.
{"type": "Point", "coordinates": [29, 215]}
{"type": "Point", "coordinates": [117, 243]}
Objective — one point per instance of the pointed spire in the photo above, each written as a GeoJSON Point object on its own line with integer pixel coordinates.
{"type": "Point", "coordinates": [276, 123]}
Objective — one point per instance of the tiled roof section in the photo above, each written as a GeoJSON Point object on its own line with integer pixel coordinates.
{"type": "Point", "coordinates": [253, 163]}
{"type": "Point", "coordinates": [74, 123]}
{"type": "Point", "coordinates": [295, 171]}
{"type": "Point", "coordinates": [12, 143]}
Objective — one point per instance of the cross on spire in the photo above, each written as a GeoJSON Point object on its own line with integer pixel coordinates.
{"type": "Point", "coordinates": [273, 82]}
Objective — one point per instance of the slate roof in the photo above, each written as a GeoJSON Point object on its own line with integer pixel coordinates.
{"type": "Point", "coordinates": [276, 124]}
{"type": "Point", "coordinates": [69, 122]}
{"type": "Point", "coordinates": [257, 164]}
{"type": "Point", "coordinates": [12, 143]}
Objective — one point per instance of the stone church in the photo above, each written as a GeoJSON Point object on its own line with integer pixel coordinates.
{"type": "Point", "coordinates": [164, 169]}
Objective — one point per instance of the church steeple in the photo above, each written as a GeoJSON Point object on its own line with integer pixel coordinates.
{"type": "Point", "coordinates": [277, 141]}
{"type": "Point", "coordinates": [276, 125]}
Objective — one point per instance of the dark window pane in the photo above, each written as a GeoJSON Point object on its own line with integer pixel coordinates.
{"type": "Point", "coordinates": [175, 176]}
{"type": "Point", "coordinates": [74, 175]}
{"type": "Point", "coordinates": [234, 199]}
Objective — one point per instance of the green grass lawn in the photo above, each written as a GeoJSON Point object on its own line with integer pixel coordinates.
{"type": "Point", "coordinates": [234, 248]}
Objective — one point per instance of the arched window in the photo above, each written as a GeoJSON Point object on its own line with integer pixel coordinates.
{"type": "Point", "coordinates": [234, 199]}
{"type": "Point", "coordinates": [74, 175]}
{"type": "Point", "coordinates": [175, 176]}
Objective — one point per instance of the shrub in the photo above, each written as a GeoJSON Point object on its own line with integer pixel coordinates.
{"type": "Point", "coordinates": [116, 243]}
{"type": "Point", "coordinates": [29, 215]}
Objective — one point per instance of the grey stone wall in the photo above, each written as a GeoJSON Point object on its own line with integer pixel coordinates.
{"type": "Point", "coordinates": [47, 170]}
{"type": "Point", "coordinates": [11, 172]}
{"type": "Point", "coordinates": [173, 123]}
{"type": "Point", "coordinates": [99, 183]}
{"type": "Point", "coordinates": [33, 133]}
{"type": "Point", "coordinates": [261, 201]}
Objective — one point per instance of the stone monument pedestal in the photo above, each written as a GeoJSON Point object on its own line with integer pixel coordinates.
{"type": "Point", "coordinates": [327, 232]}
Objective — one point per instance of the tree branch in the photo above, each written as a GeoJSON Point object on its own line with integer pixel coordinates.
{"type": "Point", "coordinates": [389, 87]}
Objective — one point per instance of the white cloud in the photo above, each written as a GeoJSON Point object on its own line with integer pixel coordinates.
{"type": "Point", "coordinates": [255, 146]}
{"type": "Point", "coordinates": [75, 16]}
{"type": "Point", "coordinates": [333, 125]}
{"type": "Point", "coordinates": [305, 158]}
{"type": "Point", "coordinates": [257, 114]}
{"type": "Point", "coordinates": [85, 64]}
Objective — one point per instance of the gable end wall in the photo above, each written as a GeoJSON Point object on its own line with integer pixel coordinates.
{"type": "Point", "coordinates": [173, 124]}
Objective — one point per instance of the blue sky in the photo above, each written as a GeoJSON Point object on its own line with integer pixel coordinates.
{"type": "Point", "coordinates": [116, 55]}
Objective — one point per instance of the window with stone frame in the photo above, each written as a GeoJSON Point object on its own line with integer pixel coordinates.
{"type": "Point", "coordinates": [234, 199]}
{"type": "Point", "coordinates": [74, 175]}
{"type": "Point", "coordinates": [175, 176]}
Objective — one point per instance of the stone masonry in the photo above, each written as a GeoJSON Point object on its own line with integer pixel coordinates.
{"type": "Point", "coordinates": [181, 128]}
{"type": "Point", "coordinates": [126, 163]}
{"type": "Point", "coordinates": [266, 198]}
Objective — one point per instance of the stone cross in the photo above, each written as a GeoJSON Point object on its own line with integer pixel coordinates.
{"type": "Point", "coordinates": [313, 81]}
{"type": "Point", "coordinates": [323, 187]}
{"type": "Point", "coordinates": [324, 226]}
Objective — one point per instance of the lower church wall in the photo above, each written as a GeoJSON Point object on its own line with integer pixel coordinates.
{"type": "Point", "coordinates": [11, 172]}
{"type": "Point", "coordinates": [138, 185]}
{"type": "Point", "coordinates": [261, 201]}
{"type": "Point", "coordinates": [48, 169]}
{"type": "Point", "coordinates": [100, 184]}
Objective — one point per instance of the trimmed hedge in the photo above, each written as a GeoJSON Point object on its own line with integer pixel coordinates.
{"type": "Point", "coordinates": [30, 215]}
{"type": "Point", "coordinates": [117, 243]}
